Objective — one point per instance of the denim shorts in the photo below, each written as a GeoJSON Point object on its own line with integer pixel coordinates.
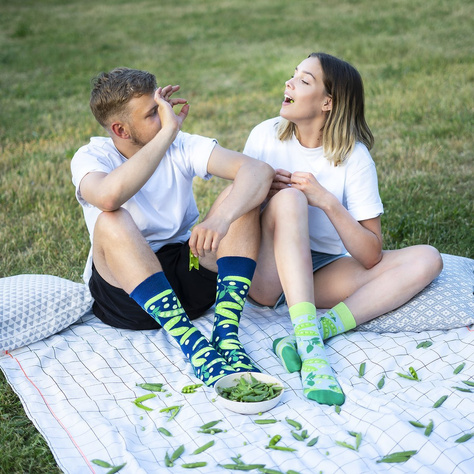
{"type": "Point", "coordinates": [320, 260]}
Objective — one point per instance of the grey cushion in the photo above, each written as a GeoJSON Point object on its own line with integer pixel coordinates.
{"type": "Point", "coordinates": [446, 303]}
{"type": "Point", "coordinates": [33, 307]}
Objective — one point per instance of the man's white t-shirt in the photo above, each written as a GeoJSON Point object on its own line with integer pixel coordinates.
{"type": "Point", "coordinates": [164, 209]}
{"type": "Point", "coordinates": [354, 183]}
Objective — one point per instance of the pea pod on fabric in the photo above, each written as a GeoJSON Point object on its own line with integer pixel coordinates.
{"type": "Point", "coordinates": [241, 467]}
{"type": "Point", "coordinates": [210, 424]}
{"type": "Point", "coordinates": [265, 470]}
{"type": "Point", "coordinates": [139, 401]}
{"type": "Point", "coordinates": [468, 382]}
{"type": "Point", "coordinates": [176, 455]}
{"type": "Point", "coordinates": [281, 448]}
{"type": "Point", "coordinates": [400, 456]}
{"type": "Point", "coordinates": [191, 388]}
{"type": "Point", "coordinates": [193, 465]}
{"type": "Point", "coordinates": [313, 441]}
{"type": "Point", "coordinates": [274, 440]}
{"type": "Point", "coordinates": [362, 369]}
{"type": "Point", "coordinates": [465, 438]}
{"type": "Point", "coordinates": [116, 468]}
{"type": "Point", "coordinates": [204, 447]}
{"type": "Point", "coordinates": [417, 424]}
{"type": "Point", "coordinates": [440, 401]}
{"type": "Point", "coordinates": [265, 422]}
{"type": "Point", "coordinates": [101, 463]}
{"type": "Point", "coordinates": [152, 387]}
{"type": "Point", "coordinates": [297, 436]}
{"type": "Point", "coordinates": [459, 368]}
{"type": "Point", "coordinates": [293, 423]}
{"type": "Point", "coordinates": [164, 431]}
{"type": "Point", "coordinates": [424, 345]}
{"type": "Point", "coordinates": [429, 428]}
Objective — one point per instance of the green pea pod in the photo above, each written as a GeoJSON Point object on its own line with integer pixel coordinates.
{"type": "Point", "coordinates": [313, 441]}
{"type": "Point", "coordinates": [281, 448]}
{"type": "Point", "coordinates": [168, 462]}
{"type": "Point", "coordinates": [242, 467]}
{"type": "Point", "coordinates": [292, 472]}
{"type": "Point", "coordinates": [274, 440]}
{"type": "Point", "coordinates": [164, 431]}
{"type": "Point", "coordinates": [210, 424]}
{"type": "Point", "coordinates": [204, 447]}
{"type": "Point", "coordinates": [177, 453]}
{"type": "Point", "coordinates": [116, 468]}
{"type": "Point", "coordinates": [144, 397]}
{"type": "Point", "coordinates": [265, 422]}
{"type": "Point", "coordinates": [193, 465]}
{"type": "Point", "coordinates": [101, 463]}
{"type": "Point", "coordinates": [152, 387]}
{"type": "Point", "coordinates": [345, 445]}
{"type": "Point", "coordinates": [191, 388]}
{"type": "Point", "coordinates": [401, 456]}
{"type": "Point", "coordinates": [413, 373]}
{"type": "Point", "coordinates": [362, 369]}
{"type": "Point", "coordinates": [381, 382]}
{"type": "Point", "coordinates": [417, 424]}
{"type": "Point", "coordinates": [468, 382]}
{"type": "Point", "coordinates": [293, 423]}
{"type": "Point", "coordinates": [462, 389]}
{"type": "Point", "coordinates": [297, 436]}
{"type": "Point", "coordinates": [424, 344]}
{"type": "Point", "coordinates": [429, 428]}
{"type": "Point", "coordinates": [459, 368]}
{"type": "Point", "coordinates": [193, 261]}
{"type": "Point", "coordinates": [143, 407]}
{"type": "Point", "coordinates": [304, 434]}
{"type": "Point", "coordinates": [337, 409]}
{"type": "Point", "coordinates": [265, 470]}
{"type": "Point", "coordinates": [438, 403]}
{"type": "Point", "coordinates": [465, 438]}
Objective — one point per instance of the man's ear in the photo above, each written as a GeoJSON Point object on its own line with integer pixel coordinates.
{"type": "Point", "coordinates": [119, 130]}
{"type": "Point", "coordinates": [327, 104]}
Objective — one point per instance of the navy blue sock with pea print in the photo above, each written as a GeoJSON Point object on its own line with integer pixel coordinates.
{"type": "Point", "coordinates": [158, 299]}
{"type": "Point", "coordinates": [233, 283]}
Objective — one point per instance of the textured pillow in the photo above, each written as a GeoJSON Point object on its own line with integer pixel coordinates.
{"type": "Point", "coordinates": [33, 307]}
{"type": "Point", "coordinates": [446, 303]}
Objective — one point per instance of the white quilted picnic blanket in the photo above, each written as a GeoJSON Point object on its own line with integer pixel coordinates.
{"type": "Point", "coordinates": [78, 387]}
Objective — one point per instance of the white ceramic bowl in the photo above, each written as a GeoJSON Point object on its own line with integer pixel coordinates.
{"type": "Point", "coordinates": [247, 408]}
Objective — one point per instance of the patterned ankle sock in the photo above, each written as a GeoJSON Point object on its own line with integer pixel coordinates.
{"type": "Point", "coordinates": [158, 299]}
{"type": "Point", "coordinates": [233, 283]}
{"type": "Point", "coordinates": [317, 376]}
{"type": "Point", "coordinates": [285, 349]}
{"type": "Point", "coordinates": [336, 321]}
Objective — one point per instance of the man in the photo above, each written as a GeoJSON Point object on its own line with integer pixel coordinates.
{"type": "Point", "coordinates": [135, 188]}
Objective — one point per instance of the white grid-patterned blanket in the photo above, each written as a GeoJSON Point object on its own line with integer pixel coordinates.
{"type": "Point", "coordinates": [78, 387]}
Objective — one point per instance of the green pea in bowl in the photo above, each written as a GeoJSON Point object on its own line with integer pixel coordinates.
{"type": "Point", "coordinates": [248, 392]}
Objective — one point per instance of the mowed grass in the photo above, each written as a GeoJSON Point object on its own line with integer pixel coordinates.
{"type": "Point", "coordinates": [231, 58]}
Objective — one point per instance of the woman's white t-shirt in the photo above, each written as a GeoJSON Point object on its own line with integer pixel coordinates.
{"type": "Point", "coordinates": [354, 183]}
{"type": "Point", "coordinates": [164, 209]}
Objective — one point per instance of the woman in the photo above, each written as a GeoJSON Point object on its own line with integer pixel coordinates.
{"type": "Point", "coordinates": [324, 203]}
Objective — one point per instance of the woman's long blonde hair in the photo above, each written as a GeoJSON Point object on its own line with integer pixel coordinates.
{"type": "Point", "coordinates": [345, 123]}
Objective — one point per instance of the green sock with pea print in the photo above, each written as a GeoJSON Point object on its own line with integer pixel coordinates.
{"type": "Point", "coordinates": [158, 299]}
{"type": "Point", "coordinates": [233, 283]}
{"type": "Point", "coordinates": [317, 376]}
{"type": "Point", "coordinates": [335, 321]}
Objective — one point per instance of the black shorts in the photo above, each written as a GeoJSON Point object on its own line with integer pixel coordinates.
{"type": "Point", "coordinates": [196, 290]}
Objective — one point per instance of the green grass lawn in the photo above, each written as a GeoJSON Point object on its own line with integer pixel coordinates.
{"type": "Point", "coordinates": [231, 58]}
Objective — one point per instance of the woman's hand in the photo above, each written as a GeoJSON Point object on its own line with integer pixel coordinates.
{"type": "Point", "coordinates": [317, 195]}
{"type": "Point", "coordinates": [281, 180]}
